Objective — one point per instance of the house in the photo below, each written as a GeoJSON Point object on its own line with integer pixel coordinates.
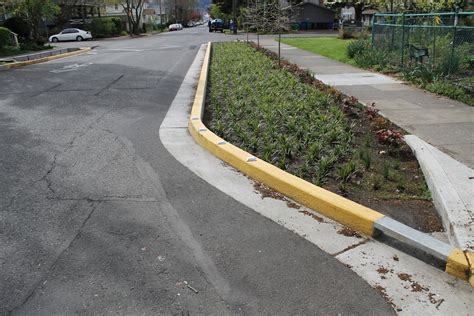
{"type": "Point", "coordinates": [160, 10]}
{"type": "Point", "coordinates": [79, 13]}
{"type": "Point", "coordinates": [311, 14]}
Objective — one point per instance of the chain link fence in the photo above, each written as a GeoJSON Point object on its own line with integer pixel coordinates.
{"type": "Point", "coordinates": [441, 43]}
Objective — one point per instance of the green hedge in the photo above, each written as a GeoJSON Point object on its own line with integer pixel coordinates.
{"type": "Point", "coordinates": [148, 27]}
{"type": "Point", "coordinates": [105, 27]}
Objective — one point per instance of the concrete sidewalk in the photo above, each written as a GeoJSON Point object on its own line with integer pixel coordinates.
{"type": "Point", "coordinates": [444, 123]}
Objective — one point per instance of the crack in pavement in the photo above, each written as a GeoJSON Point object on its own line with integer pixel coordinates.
{"type": "Point", "coordinates": [53, 164]}
{"type": "Point", "coordinates": [109, 85]}
{"type": "Point", "coordinates": [41, 282]}
{"type": "Point", "coordinates": [107, 199]}
{"type": "Point", "coordinates": [350, 247]}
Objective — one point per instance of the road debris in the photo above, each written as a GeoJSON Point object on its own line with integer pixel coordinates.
{"type": "Point", "coordinates": [190, 287]}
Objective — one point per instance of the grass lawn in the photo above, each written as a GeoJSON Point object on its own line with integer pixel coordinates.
{"type": "Point", "coordinates": [331, 47]}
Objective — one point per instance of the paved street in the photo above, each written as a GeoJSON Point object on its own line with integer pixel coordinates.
{"type": "Point", "coordinates": [97, 217]}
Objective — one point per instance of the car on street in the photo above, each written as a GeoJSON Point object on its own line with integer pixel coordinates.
{"type": "Point", "coordinates": [217, 25]}
{"type": "Point", "coordinates": [175, 27]}
{"type": "Point", "coordinates": [71, 35]}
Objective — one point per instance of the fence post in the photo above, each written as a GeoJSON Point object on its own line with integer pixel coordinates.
{"type": "Point", "coordinates": [453, 42]}
{"type": "Point", "coordinates": [402, 46]}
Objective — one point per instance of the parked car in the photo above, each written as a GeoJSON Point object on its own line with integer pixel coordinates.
{"type": "Point", "coordinates": [175, 27]}
{"type": "Point", "coordinates": [217, 25]}
{"type": "Point", "coordinates": [71, 35]}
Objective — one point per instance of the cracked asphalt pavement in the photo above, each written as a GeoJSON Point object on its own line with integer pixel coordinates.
{"type": "Point", "coordinates": [97, 217]}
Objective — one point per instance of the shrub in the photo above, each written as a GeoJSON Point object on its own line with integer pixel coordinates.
{"type": "Point", "coordinates": [5, 37]}
{"type": "Point", "coordinates": [32, 46]}
{"type": "Point", "coordinates": [150, 27]}
{"type": "Point", "coordinates": [19, 26]}
{"type": "Point", "coordinates": [451, 91]}
{"type": "Point", "coordinates": [372, 58]}
{"type": "Point", "coordinates": [420, 74]}
{"type": "Point", "coordinates": [118, 24]}
{"type": "Point", "coordinates": [357, 47]}
{"type": "Point", "coordinates": [104, 27]}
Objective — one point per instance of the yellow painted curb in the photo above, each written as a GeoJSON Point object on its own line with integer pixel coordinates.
{"type": "Point", "coordinates": [330, 204]}
{"type": "Point", "coordinates": [458, 265]}
{"type": "Point", "coordinates": [45, 59]}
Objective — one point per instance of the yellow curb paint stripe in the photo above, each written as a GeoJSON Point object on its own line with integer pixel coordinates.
{"type": "Point", "coordinates": [330, 204]}
{"type": "Point", "coordinates": [45, 59]}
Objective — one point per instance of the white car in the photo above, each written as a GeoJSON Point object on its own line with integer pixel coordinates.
{"type": "Point", "coordinates": [71, 35]}
{"type": "Point", "coordinates": [175, 27]}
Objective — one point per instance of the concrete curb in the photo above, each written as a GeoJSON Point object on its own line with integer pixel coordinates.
{"type": "Point", "coordinates": [43, 59]}
{"type": "Point", "coordinates": [349, 213]}
{"type": "Point", "coordinates": [443, 174]}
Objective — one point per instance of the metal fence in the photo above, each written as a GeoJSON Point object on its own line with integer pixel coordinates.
{"type": "Point", "coordinates": [441, 42]}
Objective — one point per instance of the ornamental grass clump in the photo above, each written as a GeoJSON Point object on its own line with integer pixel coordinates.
{"type": "Point", "coordinates": [268, 112]}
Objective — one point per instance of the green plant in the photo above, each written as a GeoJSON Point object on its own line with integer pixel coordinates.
{"type": "Point", "coordinates": [32, 46]}
{"type": "Point", "coordinates": [5, 37]}
{"type": "Point", "coordinates": [420, 74]}
{"type": "Point", "coordinates": [366, 158]}
{"type": "Point", "coordinates": [357, 47]}
{"type": "Point", "coordinates": [386, 171]}
{"type": "Point", "coordinates": [372, 58]}
{"type": "Point", "coordinates": [347, 170]}
{"type": "Point", "coordinates": [446, 88]}
{"type": "Point", "coordinates": [104, 27]}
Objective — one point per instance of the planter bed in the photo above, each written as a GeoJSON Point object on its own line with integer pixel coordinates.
{"type": "Point", "coordinates": [286, 117]}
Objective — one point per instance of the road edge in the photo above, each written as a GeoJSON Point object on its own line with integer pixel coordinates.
{"type": "Point", "coordinates": [44, 59]}
{"type": "Point", "coordinates": [338, 208]}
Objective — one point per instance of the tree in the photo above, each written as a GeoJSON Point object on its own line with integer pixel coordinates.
{"type": "Point", "coordinates": [403, 5]}
{"type": "Point", "coordinates": [67, 7]}
{"type": "Point", "coordinates": [34, 12]}
{"type": "Point", "coordinates": [269, 16]}
{"type": "Point", "coordinates": [216, 12]}
{"type": "Point", "coordinates": [134, 10]}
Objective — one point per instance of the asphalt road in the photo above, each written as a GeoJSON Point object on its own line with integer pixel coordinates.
{"type": "Point", "coordinates": [97, 217]}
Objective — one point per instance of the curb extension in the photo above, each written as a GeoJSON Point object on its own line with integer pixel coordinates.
{"type": "Point", "coordinates": [44, 59]}
{"type": "Point", "coordinates": [358, 217]}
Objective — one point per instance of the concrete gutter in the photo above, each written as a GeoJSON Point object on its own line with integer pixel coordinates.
{"type": "Point", "coordinates": [349, 213]}
{"type": "Point", "coordinates": [451, 184]}
{"type": "Point", "coordinates": [42, 57]}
